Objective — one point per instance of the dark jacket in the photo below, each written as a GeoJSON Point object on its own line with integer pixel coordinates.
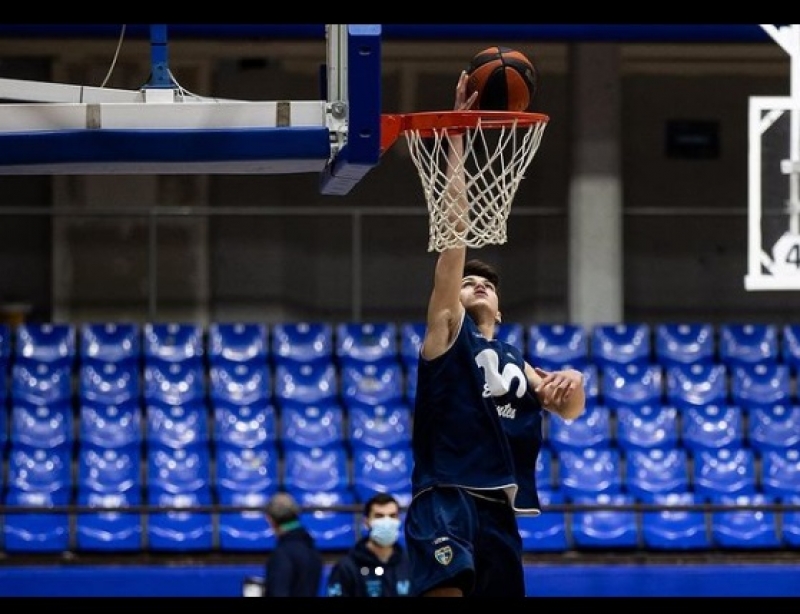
{"type": "Point", "coordinates": [347, 579]}
{"type": "Point", "coordinates": [294, 569]}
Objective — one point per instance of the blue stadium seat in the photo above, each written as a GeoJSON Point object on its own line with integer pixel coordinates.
{"type": "Point", "coordinates": [110, 383]}
{"type": "Point", "coordinates": [360, 342]}
{"type": "Point", "coordinates": [410, 386]}
{"type": "Point", "coordinates": [607, 529]}
{"type": "Point", "coordinates": [644, 427]}
{"type": "Point", "coordinates": [554, 346]}
{"type": "Point", "coordinates": [780, 473]}
{"type": "Point", "coordinates": [684, 343]}
{"type": "Point", "coordinates": [621, 344]}
{"type": "Point", "coordinates": [173, 342]}
{"type": "Point", "coordinates": [632, 384]}
{"type": "Point", "coordinates": [247, 470]}
{"type": "Point", "coordinates": [545, 470]}
{"type": "Point", "coordinates": [244, 426]}
{"type": "Point", "coordinates": [33, 532]}
{"type": "Point", "coordinates": [513, 333]}
{"type": "Point", "coordinates": [591, 384]}
{"type": "Point", "coordinates": [177, 383]}
{"type": "Point", "coordinates": [110, 426]}
{"type": "Point", "coordinates": [313, 426]}
{"type": "Point", "coordinates": [312, 382]}
{"type": "Point", "coordinates": [712, 426]}
{"type": "Point", "coordinates": [372, 383]}
{"type": "Point", "coordinates": [591, 429]}
{"type": "Point", "coordinates": [656, 471]}
{"type": "Point", "coordinates": [37, 477]}
{"type": "Point", "coordinates": [697, 384]}
{"type": "Point", "coordinates": [178, 470]}
{"type": "Point", "coordinates": [316, 469]}
{"type": "Point", "coordinates": [332, 530]}
{"type": "Point", "coordinates": [724, 471]}
{"type": "Point", "coordinates": [748, 344]}
{"type": "Point", "coordinates": [745, 529]}
{"type": "Point", "coordinates": [46, 342]}
{"type": "Point", "coordinates": [109, 530]}
{"type": "Point", "coordinates": [43, 426]}
{"type": "Point", "coordinates": [3, 429]}
{"type": "Point", "coordinates": [773, 427]}
{"type": "Point", "coordinates": [6, 349]}
{"type": "Point", "coordinates": [176, 426]}
{"type": "Point", "coordinates": [411, 335]}
{"type": "Point", "coordinates": [32, 469]}
{"type": "Point", "coordinates": [109, 470]}
{"type": "Point", "coordinates": [245, 530]}
{"type": "Point", "coordinates": [238, 342]}
{"type": "Point", "coordinates": [790, 524]}
{"type": "Point", "coordinates": [675, 529]}
{"type": "Point", "coordinates": [384, 470]}
{"type": "Point", "coordinates": [790, 346]}
{"type": "Point", "coordinates": [6, 343]}
{"type": "Point", "coordinates": [761, 384]}
{"type": "Point", "coordinates": [302, 342]}
{"type": "Point", "coordinates": [590, 471]}
{"type": "Point", "coordinates": [546, 532]}
{"type": "Point", "coordinates": [41, 383]}
{"type": "Point", "coordinates": [379, 426]}
{"type": "Point", "coordinates": [244, 383]}
{"type": "Point", "coordinates": [184, 529]}
{"type": "Point", "coordinates": [246, 477]}
{"type": "Point", "coordinates": [110, 342]}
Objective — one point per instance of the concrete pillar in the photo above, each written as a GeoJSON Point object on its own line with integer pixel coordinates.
{"type": "Point", "coordinates": [596, 292]}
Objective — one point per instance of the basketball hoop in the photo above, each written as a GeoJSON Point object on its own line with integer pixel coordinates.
{"type": "Point", "coordinates": [498, 146]}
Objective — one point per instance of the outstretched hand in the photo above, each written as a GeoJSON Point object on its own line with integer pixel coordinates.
{"type": "Point", "coordinates": [462, 102]}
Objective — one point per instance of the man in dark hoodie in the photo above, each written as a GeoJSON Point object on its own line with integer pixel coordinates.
{"type": "Point", "coordinates": [376, 566]}
{"type": "Point", "coordinates": [294, 569]}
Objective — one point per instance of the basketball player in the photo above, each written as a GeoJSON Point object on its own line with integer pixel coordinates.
{"type": "Point", "coordinates": [476, 434]}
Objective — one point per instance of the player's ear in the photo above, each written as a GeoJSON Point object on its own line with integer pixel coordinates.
{"type": "Point", "coordinates": [498, 318]}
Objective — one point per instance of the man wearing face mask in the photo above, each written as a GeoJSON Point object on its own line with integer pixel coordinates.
{"type": "Point", "coordinates": [376, 566]}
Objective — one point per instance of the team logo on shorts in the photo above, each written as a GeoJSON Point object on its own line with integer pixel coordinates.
{"type": "Point", "coordinates": [444, 555]}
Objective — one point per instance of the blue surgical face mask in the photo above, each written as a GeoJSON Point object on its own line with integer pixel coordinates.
{"type": "Point", "coordinates": [385, 531]}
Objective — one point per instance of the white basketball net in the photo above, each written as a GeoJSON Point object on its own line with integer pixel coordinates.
{"type": "Point", "coordinates": [494, 161]}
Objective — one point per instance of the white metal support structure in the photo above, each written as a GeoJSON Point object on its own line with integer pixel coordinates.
{"type": "Point", "coordinates": [780, 269]}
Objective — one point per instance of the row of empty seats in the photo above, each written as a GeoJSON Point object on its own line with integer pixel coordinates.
{"type": "Point", "coordinates": [733, 344]}
{"type": "Point", "coordinates": [644, 426]}
{"type": "Point", "coordinates": [357, 384]}
{"type": "Point", "coordinates": [678, 525]}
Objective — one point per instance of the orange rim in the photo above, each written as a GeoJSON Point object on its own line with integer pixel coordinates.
{"type": "Point", "coordinates": [426, 124]}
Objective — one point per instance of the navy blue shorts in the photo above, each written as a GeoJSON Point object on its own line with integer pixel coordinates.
{"type": "Point", "coordinates": [456, 539]}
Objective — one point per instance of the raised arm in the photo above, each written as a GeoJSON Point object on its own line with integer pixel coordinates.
{"type": "Point", "coordinates": [444, 307]}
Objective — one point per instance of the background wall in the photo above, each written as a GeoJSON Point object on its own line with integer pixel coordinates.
{"type": "Point", "coordinates": [272, 248]}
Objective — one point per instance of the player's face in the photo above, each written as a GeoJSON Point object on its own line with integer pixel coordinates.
{"type": "Point", "coordinates": [477, 291]}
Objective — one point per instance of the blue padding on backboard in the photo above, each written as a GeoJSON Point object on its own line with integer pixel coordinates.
{"type": "Point", "coordinates": [362, 151]}
{"type": "Point", "coordinates": [180, 145]}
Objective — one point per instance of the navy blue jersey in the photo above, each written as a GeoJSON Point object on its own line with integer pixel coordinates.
{"type": "Point", "coordinates": [477, 423]}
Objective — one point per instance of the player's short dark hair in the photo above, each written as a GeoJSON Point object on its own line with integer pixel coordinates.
{"type": "Point", "coordinates": [482, 269]}
{"type": "Point", "coordinates": [380, 498]}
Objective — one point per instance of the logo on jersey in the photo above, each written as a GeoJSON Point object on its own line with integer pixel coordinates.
{"type": "Point", "coordinates": [498, 383]}
{"type": "Point", "coordinates": [443, 555]}
{"type": "Point", "coordinates": [506, 411]}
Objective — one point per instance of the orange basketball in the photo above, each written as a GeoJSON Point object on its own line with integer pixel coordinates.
{"type": "Point", "coordinates": [505, 79]}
